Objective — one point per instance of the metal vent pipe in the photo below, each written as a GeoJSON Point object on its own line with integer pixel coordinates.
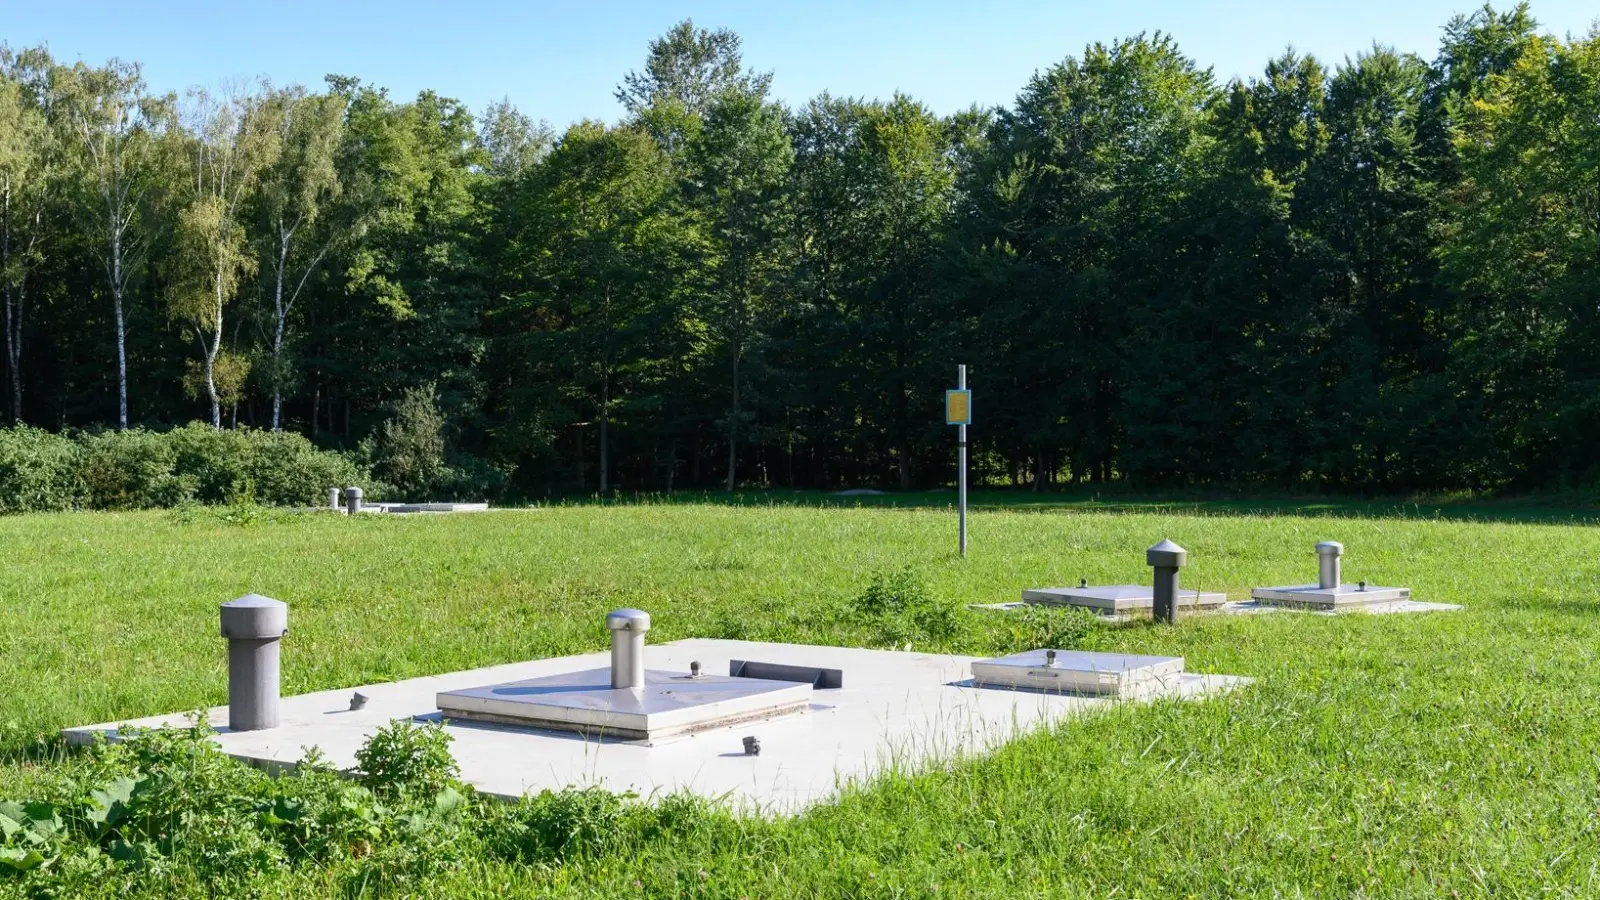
{"type": "Point", "coordinates": [628, 628]}
{"type": "Point", "coordinates": [1328, 553]}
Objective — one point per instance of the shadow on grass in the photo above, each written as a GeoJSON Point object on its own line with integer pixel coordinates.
{"type": "Point", "coordinates": [1530, 510]}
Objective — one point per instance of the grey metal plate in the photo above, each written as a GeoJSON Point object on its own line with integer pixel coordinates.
{"type": "Point", "coordinates": [1310, 596]}
{"type": "Point", "coordinates": [1117, 598]}
{"type": "Point", "coordinates": [669, 703]}
{"type": "Point", "coordinates": [1078, 671]}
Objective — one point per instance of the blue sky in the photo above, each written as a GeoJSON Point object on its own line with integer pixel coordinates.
{"type": "Point", "coordinates": [561, 61]}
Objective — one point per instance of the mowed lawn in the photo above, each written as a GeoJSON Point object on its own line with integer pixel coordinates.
{"type": "Point", "coordinates": [1374, 755]}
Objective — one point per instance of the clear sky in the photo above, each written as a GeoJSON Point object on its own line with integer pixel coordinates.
{"type": "Point", "coordinates": [560, 60]}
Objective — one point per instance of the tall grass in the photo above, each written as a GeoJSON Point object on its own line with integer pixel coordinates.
{"type": "Point", "coordinates": [1374, 756]}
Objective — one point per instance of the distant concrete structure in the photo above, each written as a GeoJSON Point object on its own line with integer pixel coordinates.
{"type": "Point", "coordinates": [1162, 599]}
{"type": "Point", "coordinates": [1330, 593]}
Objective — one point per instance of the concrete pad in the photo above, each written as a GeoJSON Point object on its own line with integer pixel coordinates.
{"type": "Point", "coordinates": [1119, 599]}
{"type": "Point", "coordinates": [1344, 596]}
{"type": "Point", "coordinates": [410, 508]}
{"type": "Point", "coordinates": [669, 704]}
{"type": "Point", "coordinates": [1124, 675]}
{"type": "Point", "coordinates": [1392, 607]}
{"type": "Point", "coordinates": [1252, 607]}
{"type": "Point", "coordinates": [895, 710]}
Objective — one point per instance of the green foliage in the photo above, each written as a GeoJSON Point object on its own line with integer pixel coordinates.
{"type": "Point", "coordinates": [410, 449]}
{"type": "Point", "coordinates": [39, 471]}
{"type": "Point", "coordinates": [140, 469]}
{"type": "Point", "coordinates": [405, 758]}
{"type": "Point", "coordinates": [902, 610]}
{"type": "Point", "coordinates": [134, 469]}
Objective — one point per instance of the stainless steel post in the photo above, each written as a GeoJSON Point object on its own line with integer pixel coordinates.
{"type": "Point", "coordinates": [1166, 558]}
{"type": "Point", "coordinates": [961, 456]}
{"type": "Point", "coordinates": [352, 500]}
{"type": "Point", "coordinates": [628, 627]}
{"type": "Point", "coordinates": [333, 497]}
{"type": "Point", "coordinates": [253, 625]}
{"type": "Point", "coordinates": [1328, 553]}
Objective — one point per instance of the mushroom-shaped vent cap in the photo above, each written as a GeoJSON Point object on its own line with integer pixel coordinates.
{"type": "Point", "coordinates": [628, 620]}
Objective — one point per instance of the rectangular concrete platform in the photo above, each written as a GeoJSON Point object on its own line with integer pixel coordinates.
{"type": "Point", "coordinates": [895, 710]}
{"type": "Point", "coordinates": [1118, 599]}
{"type": "Point", "coordinates": [1252, 607]}
{"type": "Point", "coordinates": [670, 703]}
{"type": "Point", "coordinates": [1120, 675]}
{"type": "Point", "coordinates": [1345, 596]}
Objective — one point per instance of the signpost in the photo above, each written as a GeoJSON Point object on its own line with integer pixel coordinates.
{"type": "Point", "coordinates": [958, 411]}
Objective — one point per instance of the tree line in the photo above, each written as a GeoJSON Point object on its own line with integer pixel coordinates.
{"type": "Point", "coordinates": [1382, 275]}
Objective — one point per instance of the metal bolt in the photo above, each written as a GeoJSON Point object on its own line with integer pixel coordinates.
{"type": "Point", "coordinates": [1049, 659]}
{"type": "Point", "coordinates": [359, 701]}
{"type": "Point", "coordinates": [1328, 553]}
{"type": "Point", "coordinates": [352, 499]}
{"type": "Point", "coordinates": [253, 626]}
{"type": "Point", "coordinates": [752, 746]}
{"type": "Point", "coordinates": [1166, 558]}
{"type": "Point", "coordinates": [694, 669]}
{"type": "Point", "coordinates": [628, 627]}
{"type": "Point", "coordinates": [1083, 582]}
{"type": "Point", "coordinates": [1361, 585]}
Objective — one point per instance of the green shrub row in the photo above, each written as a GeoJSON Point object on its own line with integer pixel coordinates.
{"type": "Point", "coordinates": [139, 469]}
{"type": "Point", "coordinates": [165, 812]}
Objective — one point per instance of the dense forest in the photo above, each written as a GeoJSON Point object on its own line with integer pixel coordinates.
{"type": "Point", "coordinates": [1381, 275]}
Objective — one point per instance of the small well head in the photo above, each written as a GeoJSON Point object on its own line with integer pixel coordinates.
{"type": "Point", "coordinates": [636, 620]}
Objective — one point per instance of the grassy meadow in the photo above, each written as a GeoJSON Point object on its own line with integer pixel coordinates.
{"type": "Point", "coordinates": [1438, 755]}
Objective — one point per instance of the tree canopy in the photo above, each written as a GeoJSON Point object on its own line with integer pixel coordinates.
{"type": "Point", "coordinates": [1381, 275]}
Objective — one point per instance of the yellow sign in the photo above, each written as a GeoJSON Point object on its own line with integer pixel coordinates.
{"type": "Point", "coordinates": [958, 407]}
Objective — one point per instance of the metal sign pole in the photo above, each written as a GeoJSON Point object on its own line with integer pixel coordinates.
{"type": "Point", "coordinates": [961, 477]}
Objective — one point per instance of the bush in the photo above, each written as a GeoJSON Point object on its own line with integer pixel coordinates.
{"type": "Point", "coordinates": [132, 470]}
{"type": "Point", "coordinates": [38, 471]}
{"type": "Point", "coordinates": [410, 447]}
{"type": "Point", "coordinates": [142, 469]}
{"type": "Point", "coordinates": [405, 758]}
{"type": "Point", "coordinates": [287, 469]}
{"type": "Point", "coordinates": [902, 610]}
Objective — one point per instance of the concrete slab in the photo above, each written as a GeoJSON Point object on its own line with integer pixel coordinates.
{"type": "Point", "coordinates": [1392, 607]}
{"type": "Point", "coordinates": [670, 704]}
{"type": "Point", "coordinates": [1123, 675]}
{"type": "Point", "coordinates": [1119, 599]}
{"type": "Point", "coordinates": [410, 508]}
{"type": "Point", "coordinates": [1252, 607]}
{"type": "Point", "coordinates": [1344, 596]}
{"type": "Point", "coordinates": [895, 710]}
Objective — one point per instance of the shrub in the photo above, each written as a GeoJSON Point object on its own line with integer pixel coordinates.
{"type": "Point", "coordinates": [286, 468]}
{"type": "Point", "coordinates": [902, 610]}
{"type": "Point", "coordinates": [132, 470]}
{"type": "Point", "coordinates": [38, 471]}
{"type": "Point", "coordinates": [410, 446]}
{"type": "Point", "coordinates": [403, 758]}
{"type": "Point", "coordinates": [215, 462]}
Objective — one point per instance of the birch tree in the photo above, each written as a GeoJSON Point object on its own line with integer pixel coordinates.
{"type": "Point", "coordinates": [235, 139]}
{"type": "Point", "coordinates": [115, 124]}
{"type": "Point", "coordinates": [296, 193]}
{"type": "Point", "coordinates": [25, 153]}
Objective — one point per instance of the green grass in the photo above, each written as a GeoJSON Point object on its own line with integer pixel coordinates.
{"type": "Point", "coordinates": [1374, 756]}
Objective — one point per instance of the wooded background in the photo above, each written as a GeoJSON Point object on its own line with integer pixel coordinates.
{"type": "Point", "coordinates": [1380, 276]}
